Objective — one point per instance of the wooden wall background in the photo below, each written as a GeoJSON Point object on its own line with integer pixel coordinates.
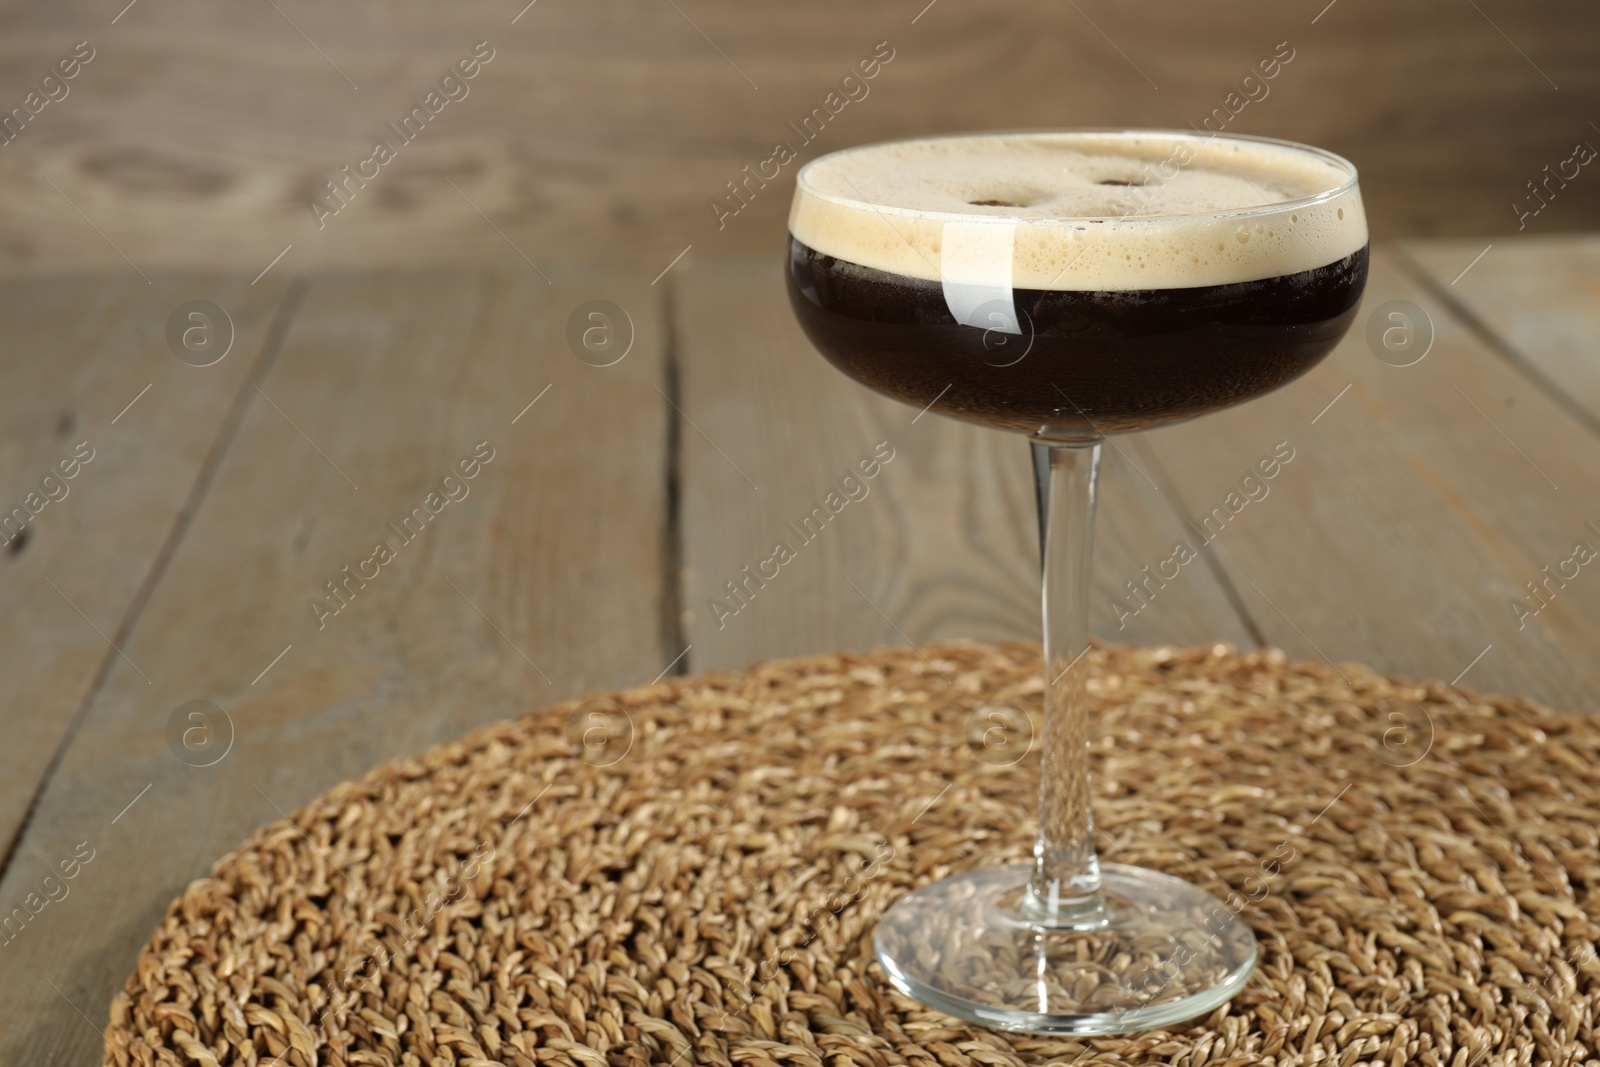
{"type": "Point", "coordinates": [198, 133]}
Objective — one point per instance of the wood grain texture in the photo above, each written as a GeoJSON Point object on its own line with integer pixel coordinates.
{"type": "Point", "coordinates": [76, 554]}
{"type": "Point", "coordinates": [199, 134]}
{"type": "Point", "coordinates": [544, 580]}
{"type": "Point", "coordinates": [1538, 296]}
{"type": "Point", "coordinates": [1415, 510]}
{"type": "Point", "coordinates": [944, 541]}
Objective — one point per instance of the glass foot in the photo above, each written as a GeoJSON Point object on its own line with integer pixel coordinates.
{"type": "Point", "coordinates": [1158, 952]}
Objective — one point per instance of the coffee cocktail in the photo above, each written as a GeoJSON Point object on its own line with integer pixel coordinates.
{"type": "Point", "coordinates": [1070, 285]}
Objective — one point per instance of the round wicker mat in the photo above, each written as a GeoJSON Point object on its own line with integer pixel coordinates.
{"type": "Point", "coordinates": [689, 872]}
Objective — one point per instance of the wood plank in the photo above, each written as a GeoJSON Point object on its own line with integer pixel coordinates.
{"type": "Point", "coordinates": [199, 133]}
{"type": "Point", "coordinates": [76, 354]}
{"type": "Point", "coordinates": [1539, 297]}
{"type": "Point", "coordinates": [1415, 510]}
{"type": "Point", "coordinates": [944, 543]}
{"type": "Point", "coordinates": [542, 581]}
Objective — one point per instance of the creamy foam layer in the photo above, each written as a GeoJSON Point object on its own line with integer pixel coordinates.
{"type": "Point", "coordinates": [1081, 211]}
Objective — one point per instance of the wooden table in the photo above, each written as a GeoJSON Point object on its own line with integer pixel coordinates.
{"type": "Point", "coordinates": [222, 501]}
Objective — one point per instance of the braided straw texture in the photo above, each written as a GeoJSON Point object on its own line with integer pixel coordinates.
{"type": "Point", "coordinates": [689, 873]}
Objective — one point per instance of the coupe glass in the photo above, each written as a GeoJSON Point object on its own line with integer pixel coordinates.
{"type": "Point", "coordinates": [956, 310]}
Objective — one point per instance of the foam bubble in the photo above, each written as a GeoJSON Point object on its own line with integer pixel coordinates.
{"type": "Point", "coordinates": [1084, 211]}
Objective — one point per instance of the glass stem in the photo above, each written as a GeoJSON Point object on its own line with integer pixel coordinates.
{"type": "Point", "coordinates": [1065, 889]}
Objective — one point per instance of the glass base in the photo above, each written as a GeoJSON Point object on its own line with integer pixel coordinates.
{"type": "Point", "coordinates": [1158, 951]}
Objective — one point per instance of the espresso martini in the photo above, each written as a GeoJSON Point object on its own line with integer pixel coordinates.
{"type": "Point", "coordinates": [1069, 285]}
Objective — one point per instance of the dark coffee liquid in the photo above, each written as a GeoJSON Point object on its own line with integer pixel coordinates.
{"type": "Point", "coordinates": [1086, 363]}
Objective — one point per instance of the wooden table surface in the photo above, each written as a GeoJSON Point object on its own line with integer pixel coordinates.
{"type": "Point", "coordinates": [587, 552]}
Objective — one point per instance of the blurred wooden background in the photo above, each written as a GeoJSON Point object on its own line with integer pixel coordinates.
{"type": "Point", "coordinates": [199, 133]}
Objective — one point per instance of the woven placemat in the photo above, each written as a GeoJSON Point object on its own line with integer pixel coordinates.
{"type": "Point", "coordinates": [689, 872]}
